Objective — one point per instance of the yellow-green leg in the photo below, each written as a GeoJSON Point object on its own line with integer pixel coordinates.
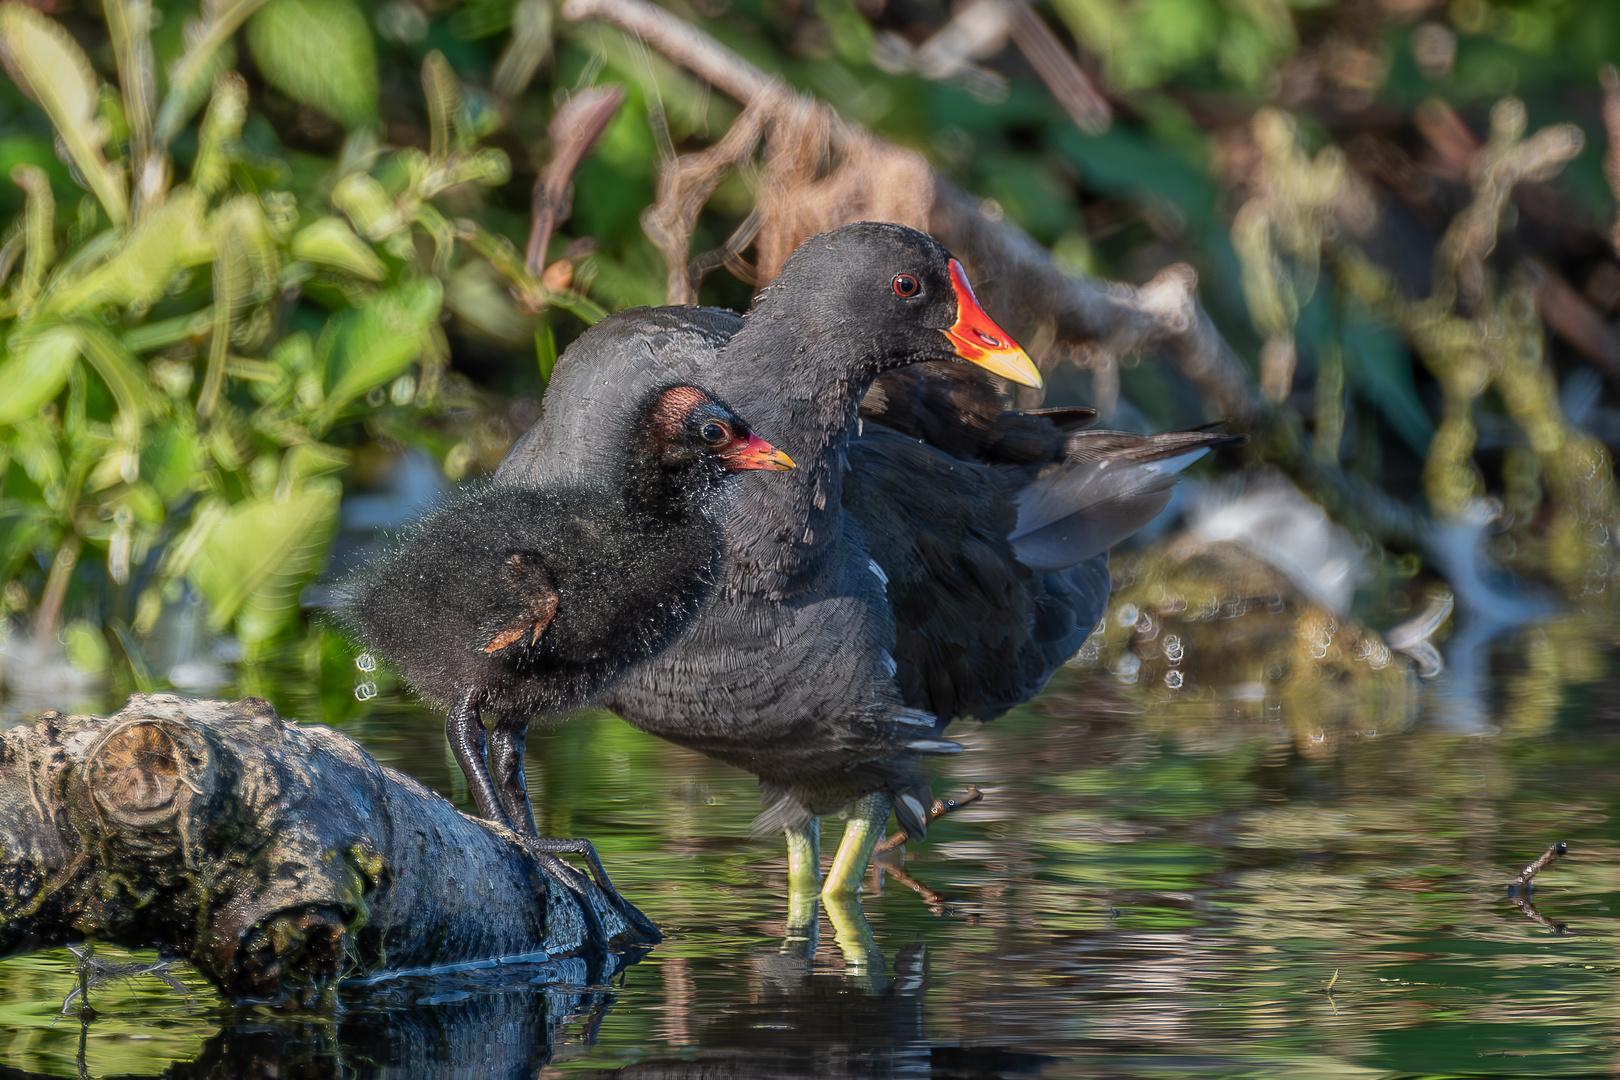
{"type": "Point", "coordinates": [804, 885]}
{"type": "Point", "coordinates": [861, 833]}
{"type": "Point", "coordinates": [853, 935]}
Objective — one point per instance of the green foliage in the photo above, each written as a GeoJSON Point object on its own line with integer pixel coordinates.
{"type": "Point", "coordinates": [164, 422]}
{"type": "Point", "coordinates": [320, 53]}
{"type": "Point", "coordinates": [230, 291]}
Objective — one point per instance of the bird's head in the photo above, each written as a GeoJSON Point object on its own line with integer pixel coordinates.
{"type": "Point", "coordinates": [876, 296]}
{"type": "Point", "coordinates": [685, 428]}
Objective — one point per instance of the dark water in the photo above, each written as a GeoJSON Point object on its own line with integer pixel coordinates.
{"type": "Point", "coordinates": [1231, 879]}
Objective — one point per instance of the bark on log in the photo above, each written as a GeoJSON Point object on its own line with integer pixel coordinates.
{"type": "Point", "coordinates": [277, 858]}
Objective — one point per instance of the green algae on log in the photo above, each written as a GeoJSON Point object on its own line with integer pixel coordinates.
{"type": "Point", "coordinates": [277, 858]}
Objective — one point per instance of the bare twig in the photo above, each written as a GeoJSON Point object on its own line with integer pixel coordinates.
{"type": "Point", "coordinates": [1546, 859]}
{"type": "Point", "coordinates": [1573, 318]}
{"type": "Point", "coordinates": [574, 131]}
{"type": "Point", "coordinates": [1057, 68]}
{"type": "Point", "coordinates": [821, 172]}
{"type": "Point", "coordinates": [1611, 122]}
{"type": "Point", "coordinates": [683, 43]}
{"type": "Point", "coordinates": [940, 808]}
{"type": "Point", "coordinates": [684, 186]}
{"type": "Point", "coordinates": [937, 903]}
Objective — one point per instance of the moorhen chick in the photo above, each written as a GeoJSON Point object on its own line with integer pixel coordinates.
{"type": "Point", "coordinates": [529, 598]}
{"type": "Point", "coordinates": [939, 561]}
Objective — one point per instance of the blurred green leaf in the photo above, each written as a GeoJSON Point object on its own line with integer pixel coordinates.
{"type": "Point", "coordinates": [253, 562]}
{"type": "Point", "coordinates": [36, 371]}
{"type": "Point", "coordinates": [368, 347]}
{"type": "Point", "coordinates": [207, 54]}
{"type": "Point", "coordinates": [47, 64]}
{"type": "Point", "coordinates": [330, 242]}
{"type": "Point", "coordinates": [169, 460]}
{"type": "Point", "coordinates": [139, 270]}
{"type": "Point", "coordinates": [320, 53]}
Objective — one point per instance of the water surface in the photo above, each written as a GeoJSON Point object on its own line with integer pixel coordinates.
{"type": "Point", "coordinates": [1225, 879]}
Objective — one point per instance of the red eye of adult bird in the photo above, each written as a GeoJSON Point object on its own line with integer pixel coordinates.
{"type": "Point", "coordinates": [978, 339]}
{"type": "Point", "coordinates": [754, 453]}
{"type": "Point", "coordinates": [906, 286]}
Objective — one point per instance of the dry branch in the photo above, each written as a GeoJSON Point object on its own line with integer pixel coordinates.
{"type": "Point", "coordinates": [574, 131]}
{"type": "Point", "coordinates": [277, 858]}
{"type": "Point", "coordinates": [820, 171]}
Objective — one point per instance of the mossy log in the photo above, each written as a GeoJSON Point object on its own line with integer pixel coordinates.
{"type": "Point", "coordinates": [277, 858]}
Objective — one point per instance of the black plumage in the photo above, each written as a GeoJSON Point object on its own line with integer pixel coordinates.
{"type": "Point", "coordinates": [880, 590]}
{"type": "Point", "coordinates": [525, 599]}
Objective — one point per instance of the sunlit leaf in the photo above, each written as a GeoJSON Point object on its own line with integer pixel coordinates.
{"type": "Point", "coordinates": [35, 372]}
{"type": "Point", "coordinates": [38, 233]}
{"type": "Point", "coordinates": [47, 64]}
{"type": "Point", "coordinates": [252, 564]}
{"type": "Point", "coordinates": [221, 127]}
{"type": "Point", "coordinates": [360, 196]}
{"type": "Point", "coordinates": [173, 237]}
{"type": "Point", "coordinates": [244, 272]}
{"type": "Point", "coordinates": [320, 53]}
{"type": "Point", "coordinates": [369, 347]}
{"type": "Point", "coordinates": [330, 242]}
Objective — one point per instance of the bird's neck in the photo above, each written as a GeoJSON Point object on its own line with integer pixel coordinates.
{"type": "Point", "coordinates": [800, 391]}
{"type": "Point", "coordinates": [668, 496]}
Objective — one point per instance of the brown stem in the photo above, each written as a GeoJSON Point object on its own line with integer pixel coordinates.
{"type": "Point", "coordinates": [1611, 122]}
{"type": "Point", "coordinates": [1019, 286]}
{"type": "Point", "coordinates": [1057, 68]}
{"type": "Point", "coordinates": [1573, 318]}
{"type": "Point", "coordinates": [940, 808]}
{"type": "Point", "coordinates": [1546, 859]}
{"type": "Point", "coordinates": [574, 131]}
{"type": "Point", "coordinates": [50, 601]}
{"type": "Point", "coordinates": [935, 901]}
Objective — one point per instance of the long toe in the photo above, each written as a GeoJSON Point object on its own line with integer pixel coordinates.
{"type": "Point", "coordinates": [595, 890]}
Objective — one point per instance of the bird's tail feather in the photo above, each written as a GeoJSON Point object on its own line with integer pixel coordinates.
{"type": "Point", "coordinates": [1111, 485]}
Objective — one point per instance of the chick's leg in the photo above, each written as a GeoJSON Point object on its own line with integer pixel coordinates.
{"type": "Point", "coordinates": [465, 730]}
{"type": "Point", "coordinates": [506, 743]}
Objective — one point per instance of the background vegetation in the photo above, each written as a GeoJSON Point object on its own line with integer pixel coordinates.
{"type": "Point", "coordinates": [258, 248]}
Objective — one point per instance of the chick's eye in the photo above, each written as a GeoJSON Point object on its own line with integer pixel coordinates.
{"type": "Point", "coordinates": [905, 285]}
{"type": "Point", "coordinates": [714, 434]}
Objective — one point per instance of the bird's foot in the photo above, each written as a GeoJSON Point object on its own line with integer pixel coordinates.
{"type": "Point", "coordinates": [940, 808]}
{"type": "Point", "coordinates": [547, 849]}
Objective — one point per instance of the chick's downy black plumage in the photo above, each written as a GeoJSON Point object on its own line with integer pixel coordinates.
{"type": "Point", "coordinates": [936, 555]}
{"type": "Point", "coordinates": [526, 599]}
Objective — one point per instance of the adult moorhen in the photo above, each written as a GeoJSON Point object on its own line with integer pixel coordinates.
{"type": "Point", "coordinates": [529, 598]}
{"type": "Point", "coordinates": [940, 561]}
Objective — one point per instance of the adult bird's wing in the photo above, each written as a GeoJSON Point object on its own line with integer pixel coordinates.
{"type": "Point", "coordinates": [959, 409]}
{"type": "Point", "coordinates": [993, 528]}
{"type": "Point", "coordinates": [1111, 483]}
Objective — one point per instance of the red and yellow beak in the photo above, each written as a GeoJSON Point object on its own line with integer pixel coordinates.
{"type": "Point", "coordinates": [756, 453]}
{"type": "Point", "coordinates": [977, 339]}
